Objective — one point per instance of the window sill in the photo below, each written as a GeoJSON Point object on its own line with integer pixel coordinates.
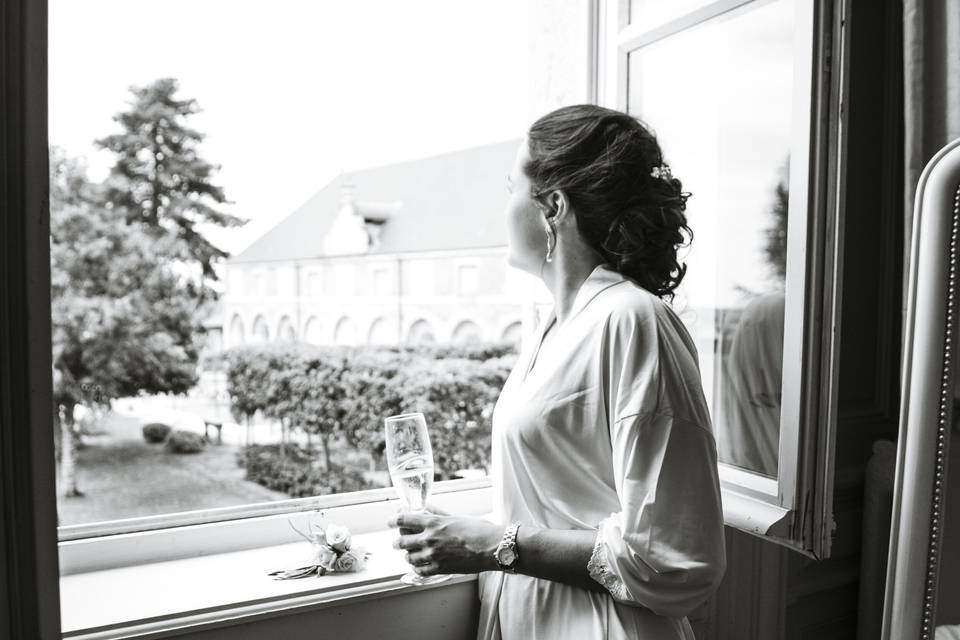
{"type": "Point", "coordinates": [159, 582]}
{"type": "Point", "coordinates": [754, 516]}
{"type": "Point", "coordinates": [194, 593]}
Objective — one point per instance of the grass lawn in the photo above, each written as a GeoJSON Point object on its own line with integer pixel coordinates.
{"type": "Point", "coordinates": [124, 477]}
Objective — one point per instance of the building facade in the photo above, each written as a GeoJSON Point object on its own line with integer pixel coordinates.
{"type": "Point", "coordinates": [402, 254]}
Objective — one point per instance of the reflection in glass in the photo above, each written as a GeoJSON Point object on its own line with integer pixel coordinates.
{"type": "Point", "coordinates": [719, 96]}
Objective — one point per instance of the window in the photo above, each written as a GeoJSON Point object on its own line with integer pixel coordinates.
{"type": "Point", "coordinates": [237, 335]}
{"type": "Point", "coordinates": [381, 333]}
{"type": "Point", "coordinates": [421, 333]}
{"type": "Point", "coordinates": [261, 332]}
{"type": "Point", "coordinates": [513, 332]}
{"type": "Point", "coordinates": [311, 331]}
{"type": "Point", "coordinates": [707, 76]}
{"type": "Point", "coordinates": [345, 332]}
{"type": "Point", "coordinates": [467, 279]}
{"type": "Point", "coordinates": [466, 332]}
{"type": "Point", "coordinates": [285, 330]}
{"type": "Point", "coordinates": [480, 84]}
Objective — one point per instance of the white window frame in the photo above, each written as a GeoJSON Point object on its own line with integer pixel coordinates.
{"type": "Point", "coordinates": [795, 509]}
{"type": "Point", "coordinates": [746, 497]}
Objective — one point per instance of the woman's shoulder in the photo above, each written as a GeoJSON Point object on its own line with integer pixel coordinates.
{"type": "Point", "coordinates": [629, 308]}
{"type": "Point", "coordinates": [630, 303]}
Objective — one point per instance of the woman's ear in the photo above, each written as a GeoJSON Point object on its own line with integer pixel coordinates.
{"type": "Point", "coordinates": [559, 205]}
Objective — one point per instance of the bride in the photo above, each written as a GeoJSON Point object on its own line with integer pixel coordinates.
{"type": "Point", "coordinates": [608, 520]}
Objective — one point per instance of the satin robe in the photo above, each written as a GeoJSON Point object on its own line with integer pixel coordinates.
{"type": "Point", "coordinates": [610, 432]}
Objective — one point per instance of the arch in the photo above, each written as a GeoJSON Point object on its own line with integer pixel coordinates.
{"type": "Point", "coordinates": [261, 332]}
{"type": "Point", "coordinates": [311, 331]}
{"type": "Point", "coordinates": [380, 332]}
{"type": "Point", "coordinates": [513, 333]}
{"type": "Point", "coordinates": [345, 332]}
{"type": "Point", "coordinates": [285, 330]}
{"type": "Point", "coordinates": [237, 334]}
{"type": "Point", "coordinates": [420, 332]}
{"type": "Point", "coordinates": [466, 332]}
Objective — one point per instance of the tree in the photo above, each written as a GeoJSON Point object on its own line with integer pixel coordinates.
{"type": "Point", "coordinates": [123, 322]}
{"type": "Point", "coordinates": [776, 235]}
{"type": "Point", "coordinates": [160, 179]}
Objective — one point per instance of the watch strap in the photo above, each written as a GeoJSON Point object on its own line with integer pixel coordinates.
{"type": "Point", "coordinates": [509, 540]}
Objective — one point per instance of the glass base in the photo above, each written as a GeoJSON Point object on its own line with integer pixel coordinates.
{"type": "Point", "coordinates": [419, 581]}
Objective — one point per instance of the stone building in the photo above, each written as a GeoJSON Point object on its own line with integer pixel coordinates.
{"type": "Point", "coordinates": [413, 252]}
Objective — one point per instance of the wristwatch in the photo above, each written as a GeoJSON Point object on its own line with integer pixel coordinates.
{"type": "Point", "coordinates": [506, 553]}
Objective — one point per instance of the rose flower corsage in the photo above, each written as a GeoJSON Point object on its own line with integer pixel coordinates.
{"type": "Point", "coordinates": [332, 553]}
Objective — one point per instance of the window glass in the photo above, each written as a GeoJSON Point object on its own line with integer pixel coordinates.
{"type": "Point", "coordinates": [720, 98]}
{"type": "Point", "coordinates": [653, 13]}
{"type": "Point", "coordinates": [191, 187]}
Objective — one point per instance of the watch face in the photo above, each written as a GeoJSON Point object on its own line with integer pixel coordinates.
{"type": "Point", "coordinates": [506, 556]}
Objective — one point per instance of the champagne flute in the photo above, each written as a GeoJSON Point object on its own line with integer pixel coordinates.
{"type": "Point", "coordinates": [410, 459]}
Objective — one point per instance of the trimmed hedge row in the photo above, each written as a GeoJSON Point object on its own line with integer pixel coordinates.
{"type": "Point", "coordinates": [344, 393]}
{"type": "Point", "coordinates": [296, 472]}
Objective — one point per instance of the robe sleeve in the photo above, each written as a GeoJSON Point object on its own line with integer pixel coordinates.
{"type": "Point", "coordinates": [664, 550]}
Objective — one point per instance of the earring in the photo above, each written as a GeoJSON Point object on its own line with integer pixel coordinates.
{"type": "Point", "coordinates": [551, 241]}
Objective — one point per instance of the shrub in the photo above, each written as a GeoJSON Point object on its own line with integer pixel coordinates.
{"type": "Point", "coordinates": [156, 432]}
{"type": "Point", "coordinates": [297, 473]}
{"type": "Point", "coordinates": [185, 442]}
{"type": "Point", "coordinates": [338, 392]}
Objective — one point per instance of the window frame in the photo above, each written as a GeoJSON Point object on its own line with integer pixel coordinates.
{"type": "Point", "coordinates": [795, 509]}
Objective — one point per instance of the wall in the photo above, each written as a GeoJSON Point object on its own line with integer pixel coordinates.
{"type": "Point", "coordinates": [444, 613]}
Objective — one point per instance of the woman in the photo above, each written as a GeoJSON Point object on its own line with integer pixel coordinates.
{"type": "Point", "coordinates": [608, 521]}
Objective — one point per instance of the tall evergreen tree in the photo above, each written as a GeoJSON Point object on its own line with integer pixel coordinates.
{"type": "Point", "coordinates": [160, 178]}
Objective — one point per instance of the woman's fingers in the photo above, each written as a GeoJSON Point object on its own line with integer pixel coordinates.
{"type": "Point", "coordinates": [433, 508]}
{"type": "Point", "coordinates": [426, 570]}
{"type": "Point", "coordinates": [416, 520]}
{"type": "Point", "coordinates": [410, 542]}
{"type": "Point", "coordinates": [420, 558]}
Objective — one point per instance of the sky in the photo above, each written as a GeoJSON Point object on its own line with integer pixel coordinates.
{"type": "Point", "coordinates": [294, 91]}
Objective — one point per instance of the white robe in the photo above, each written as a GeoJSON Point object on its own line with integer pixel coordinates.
{"type": "Point", "coordinates": [610, 431]}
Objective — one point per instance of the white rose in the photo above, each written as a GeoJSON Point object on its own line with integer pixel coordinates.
{"type": "Point", "coordinates": [325, 557]}
{"type": "Point", "coordinates": [338, 537]}
{"type": "Point", "coordinates": [352, 560]}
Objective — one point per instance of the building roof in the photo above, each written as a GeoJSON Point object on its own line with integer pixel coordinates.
{"type": "Point", "coordinates": [451, 201]}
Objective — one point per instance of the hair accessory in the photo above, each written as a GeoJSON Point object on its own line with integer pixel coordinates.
{"type": "Point", "coordinates": [661, 172]}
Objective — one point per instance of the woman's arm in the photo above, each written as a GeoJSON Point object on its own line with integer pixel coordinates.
{"type": "Point", "coordinates": [557, 554]}
{"type": "Point", "coordinates": [460, 544]}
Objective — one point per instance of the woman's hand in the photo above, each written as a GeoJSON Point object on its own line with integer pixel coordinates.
{"type": "Point", "coordinates": [447, 544]}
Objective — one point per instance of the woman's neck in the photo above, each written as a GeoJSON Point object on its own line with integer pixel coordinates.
{"type": "Point", "coordinates": [563, 278]}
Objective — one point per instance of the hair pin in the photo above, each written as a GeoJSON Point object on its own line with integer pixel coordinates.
{"type": "Point", "coordinates": [661, 172]}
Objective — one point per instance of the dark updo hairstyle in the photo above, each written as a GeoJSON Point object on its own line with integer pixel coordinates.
{"type": "Point", "coordinates": [605, 161]}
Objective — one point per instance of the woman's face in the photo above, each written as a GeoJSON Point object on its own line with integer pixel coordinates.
{"type": "Point", "coordinates": [526, 232]}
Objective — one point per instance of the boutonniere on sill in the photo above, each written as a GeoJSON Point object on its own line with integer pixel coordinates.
{"type": "Point", "coordinates": [332, 553]}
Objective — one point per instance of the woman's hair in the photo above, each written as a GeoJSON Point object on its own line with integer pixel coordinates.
{"type": "Point", "coordinates": [628, 207]}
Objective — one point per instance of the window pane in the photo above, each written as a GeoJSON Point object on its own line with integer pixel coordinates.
{"type": "Point", "coordinates": [207, 363]}
{"type": "Point", "coordinates": [653, 13]}
{"type": "Point", "coordinates": [719, 97]}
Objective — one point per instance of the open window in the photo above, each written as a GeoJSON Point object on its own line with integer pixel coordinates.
{"type": "Point", "coordinates": [743, 96]}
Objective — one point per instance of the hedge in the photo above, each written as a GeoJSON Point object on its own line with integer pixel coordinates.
{"type": "Point", "coordinates": [339, 392]}
{"type": "Point", "coordinates": [297, 471]}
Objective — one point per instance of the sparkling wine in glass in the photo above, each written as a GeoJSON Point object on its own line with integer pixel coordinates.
{"type": "Point", "coordinates": [410, 459]}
